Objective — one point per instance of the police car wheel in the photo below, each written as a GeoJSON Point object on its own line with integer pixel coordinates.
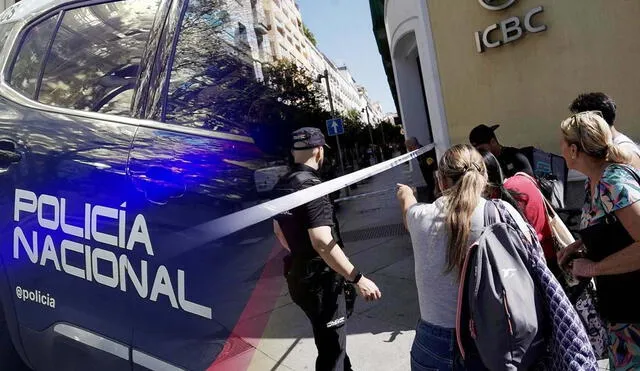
{"type": "Point", "coordinates": [9, 358]}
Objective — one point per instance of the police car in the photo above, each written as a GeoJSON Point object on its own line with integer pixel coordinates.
{"type": "Point", "coordinates": [125, 125]}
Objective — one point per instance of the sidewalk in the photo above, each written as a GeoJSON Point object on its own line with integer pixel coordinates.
{"type": "Point", "coordinates": [380, 333]}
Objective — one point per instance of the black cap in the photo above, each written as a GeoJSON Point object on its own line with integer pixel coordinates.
{"type": "Point", "coordinates": [482, 134]}
{"type": "Point", "coordinates": [307, 138]}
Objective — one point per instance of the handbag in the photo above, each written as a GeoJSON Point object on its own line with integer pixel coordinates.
{"type": "Point", "coordinates": [602, 240]}
{"type": "Point", "coordinates": [562, 238]}
{"type": "Point", "coordinates": [561, 235]}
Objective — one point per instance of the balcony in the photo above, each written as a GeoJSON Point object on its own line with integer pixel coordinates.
{"type": "Point", "coordinates": [262, 27]}
{"type": "Point", "coordinates": [260, 22]}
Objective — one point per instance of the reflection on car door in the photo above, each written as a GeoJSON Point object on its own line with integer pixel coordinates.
{"type": "Point", "coordinates": [66, 224]}
{"type": "Point", "coordinates": [197, 166]}
{"type": "Point", "coordinates": [57, 239]}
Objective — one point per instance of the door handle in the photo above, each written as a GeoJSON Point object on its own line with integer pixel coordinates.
{"type": "Point", "coordinates": [161, 184]}
{"type": "Point", "coordinates": [8, 154]}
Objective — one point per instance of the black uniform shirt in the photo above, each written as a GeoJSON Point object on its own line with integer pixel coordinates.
{"type": "Point", "coordinates": [428, 165]}
{"type": "Point", "coordinates": [513, 161]}
{"type": "Point", "coordinates": [295, 223]}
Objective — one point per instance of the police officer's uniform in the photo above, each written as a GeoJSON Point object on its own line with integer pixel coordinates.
{"type": "Point", "coordinates": [428, 166]}
{"type": "Point", "coordinates": [314, 286]}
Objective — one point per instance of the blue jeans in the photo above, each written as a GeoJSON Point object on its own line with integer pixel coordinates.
{"type": "Point", "coordinates": [435, 349]}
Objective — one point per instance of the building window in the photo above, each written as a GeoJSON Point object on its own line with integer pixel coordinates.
{"type": "Point", "coordinates": [242, 37]}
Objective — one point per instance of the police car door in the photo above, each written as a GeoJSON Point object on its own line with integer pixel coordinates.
{"type": "Point", "coordinates": [200, 165]}
{"type": "Point", "coordinates": [65, 116]}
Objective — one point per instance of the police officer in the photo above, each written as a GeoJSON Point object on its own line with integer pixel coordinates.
{"type": "Point", "coordinates": [428, 166]}
{"type": "Point", "coordinates": [316, 267]}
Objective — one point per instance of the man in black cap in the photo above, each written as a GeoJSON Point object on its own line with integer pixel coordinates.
{"type": "Point", "coordinates": [317, 267]}
{"type": "Point", "coordinates": [511, 159]}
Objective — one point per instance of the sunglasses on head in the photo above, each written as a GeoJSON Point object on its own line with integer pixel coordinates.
{"type": "Point", "coordinates": [586, 113]}
{"type": "Point", "coordinates": [577, 124]}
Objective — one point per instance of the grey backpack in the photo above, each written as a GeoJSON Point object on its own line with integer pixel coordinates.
{"type": "Point", "coordinates": [500, 309]}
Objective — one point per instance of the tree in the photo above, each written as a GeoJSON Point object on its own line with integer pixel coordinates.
{"type": "Point", "coordinates": [309, 35]}
{"type": "Point", "coordinates": [392, 133]}
{"type": "Point", "coordinates": [293, 85]}
{"type": "Point", "coordinates": [292, 100]}
{"type": "Point", "coordinates": [353, 121]}
{"type": "Point", "coordinates": [354, 128]}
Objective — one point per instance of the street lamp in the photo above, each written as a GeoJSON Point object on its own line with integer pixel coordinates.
{"type": "Point", "coordinates": [384, 142]}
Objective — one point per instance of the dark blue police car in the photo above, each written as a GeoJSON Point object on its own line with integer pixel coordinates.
{"type": "Point", "coordinates": [124, 125]}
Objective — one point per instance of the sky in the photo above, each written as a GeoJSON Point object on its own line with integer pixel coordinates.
{"type": "Point", "coordinates": [344, 33]}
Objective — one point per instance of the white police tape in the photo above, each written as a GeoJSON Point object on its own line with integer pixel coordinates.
{"type": "Point", "coordinates": [364, 195]}
{"type": "Point", "coordinates": [237, 221]}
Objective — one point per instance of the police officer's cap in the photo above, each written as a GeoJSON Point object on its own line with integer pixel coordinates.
{"type": "Point", "coordinates": [307, 138]}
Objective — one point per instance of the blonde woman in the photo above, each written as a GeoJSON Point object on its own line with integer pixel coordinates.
{"type": "Point", "coordinates": [609, 249]}
{"type": "Point", "coordinates": [441, 233]}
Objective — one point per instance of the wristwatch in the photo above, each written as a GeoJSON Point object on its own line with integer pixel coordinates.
{"type": "Point", "coordinates": [357, 278]}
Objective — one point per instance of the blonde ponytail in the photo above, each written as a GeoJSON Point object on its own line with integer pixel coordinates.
{"type": "Point", "coordinates": [463, 167]}
{"type": "Point", "coordinates": [616, 154]}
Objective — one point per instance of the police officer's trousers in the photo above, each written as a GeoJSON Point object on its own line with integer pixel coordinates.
{"type": "Point", "coordinates": [318, 291]}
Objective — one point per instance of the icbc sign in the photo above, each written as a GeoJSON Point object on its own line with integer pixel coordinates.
{"type": "Point", "coordinates": [508, 30]}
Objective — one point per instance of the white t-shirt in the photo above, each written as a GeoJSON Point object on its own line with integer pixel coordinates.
{"type": "Point", "coordinates": [437, 290]}
{"type": "Point", "coordinates": [627, 144]}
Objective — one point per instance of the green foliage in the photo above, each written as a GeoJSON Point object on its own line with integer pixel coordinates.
{"type": "Point", "coordinates": [293, 85]}
{"type": "Point", "coordinates": [309, 35]}
{"type": "Point", "coordinates": [391, 131]}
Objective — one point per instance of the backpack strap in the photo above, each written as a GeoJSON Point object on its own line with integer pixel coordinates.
{"type": "Point", "coordinates": [532, 241]}
{"type": "Point", "coordinates": [491, 213]}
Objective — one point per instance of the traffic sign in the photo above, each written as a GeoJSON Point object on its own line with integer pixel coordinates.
{"type": "Point", "coordinates": [335, 127]}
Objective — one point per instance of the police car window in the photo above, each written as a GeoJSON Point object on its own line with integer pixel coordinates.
{"type": "Point", "coordinates": [212, 70]}
{"type": "Point", "coordinates": [217, 79]}
{"type": "Point", "coordinates": [26, 69]}
{"type": "Point", "coordinates": [223, 78]}
{"type": "Point", "coordinates": [95, 56]}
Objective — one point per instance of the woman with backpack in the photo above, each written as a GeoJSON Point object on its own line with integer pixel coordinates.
{"type": "Point", "coordinates": [441, 234]}
{"type": "Point", "coordinates": [609, 249]}
{"type": "Point", "coordinates": [522, 191]}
